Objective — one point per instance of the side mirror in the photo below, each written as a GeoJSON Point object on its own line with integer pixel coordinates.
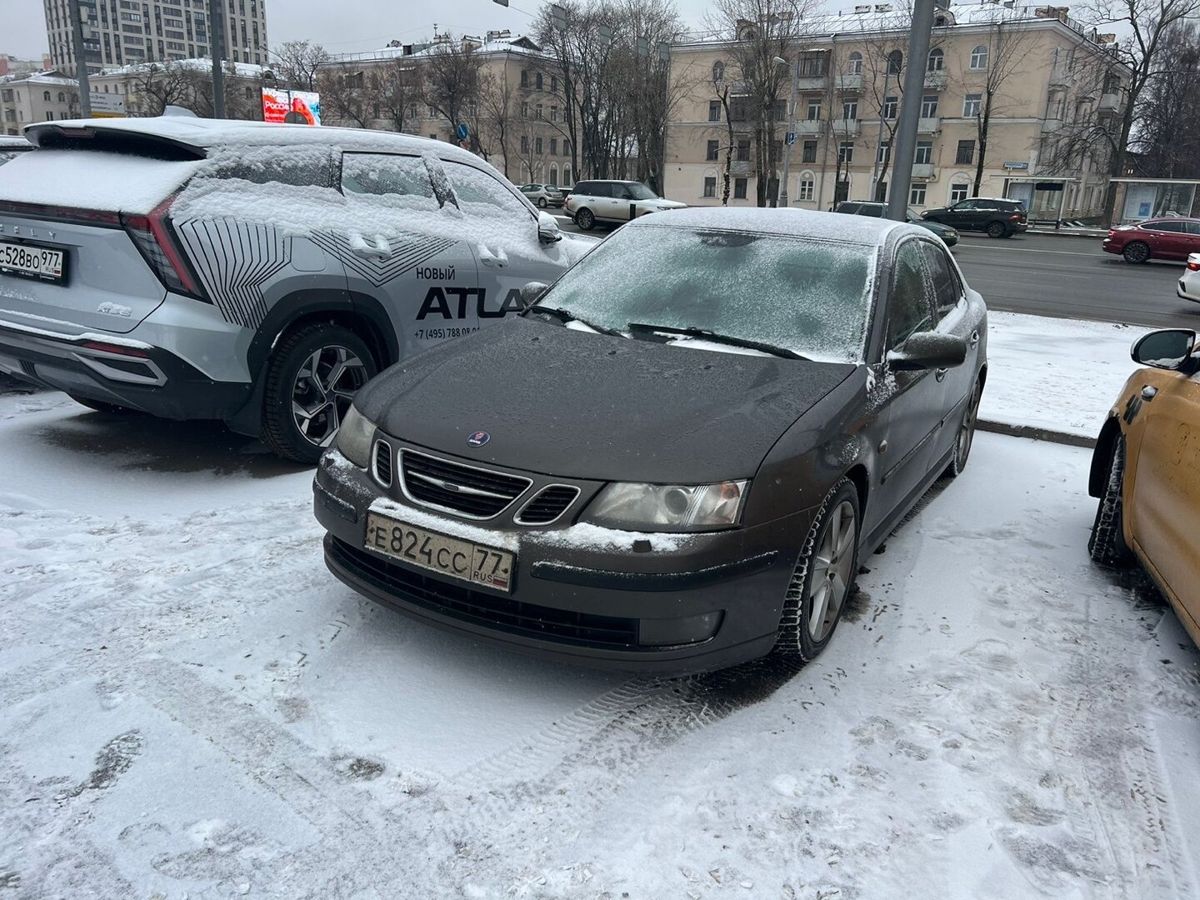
{"type": "Point", "coordinates": [928, 350]}
{"type": "Point", "coordinates": [1166, 349]}
{"type": "Point", "coordinates": [548, 230]}
{"type": "Point", "coordinates": [531, 292]}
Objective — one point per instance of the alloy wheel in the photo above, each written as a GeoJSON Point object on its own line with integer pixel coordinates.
{"type": "Point", "coordinates": [322, 391]}
{"type": "Point", "coordinates": [966, 431]}
{"type": "Point", "coordinates": [831, 573]}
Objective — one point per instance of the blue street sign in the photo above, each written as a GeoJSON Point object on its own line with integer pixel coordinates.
{"type": "Point", "coordinates": [790, 139]}
{"type": "Point", "coordinates": [462, 131]}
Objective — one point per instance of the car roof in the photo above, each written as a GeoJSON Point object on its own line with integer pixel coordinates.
{"type": "Point", "coordinates": [841, 227]}
{"type": "Point", "coordinates": [204, 134]}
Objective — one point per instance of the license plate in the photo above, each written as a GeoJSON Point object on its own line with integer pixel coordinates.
{"type": "Point", "coordinates": [31, 262]}
{"type": "Point", "coordinates": [440, 553]}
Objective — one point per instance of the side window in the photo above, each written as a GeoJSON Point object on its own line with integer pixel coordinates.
{"type": "Point", "coordinates": [946, 290]}
{"type": "Point", "coordinates": [966, 205]}
{"type": "Point", "coordinates": [909, 308]}
{"type": "Point", "coordinates": [599, 189]}
{"type": "Point", "coordinates": [299, 166]}
{"type": "Point", "coordinates": [1192, 227]}
{"type": "Point", "coordinates": [1174, 227]}
{"type": "Point", "coordinates": [383, 175]}
{"type": "Point", "coordinates": [481, 194]}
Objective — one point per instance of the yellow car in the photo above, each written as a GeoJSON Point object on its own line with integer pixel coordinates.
{"type": "Point", "coordinates": [1146, 472]}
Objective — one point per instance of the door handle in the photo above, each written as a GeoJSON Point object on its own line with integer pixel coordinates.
{"type": "Point", "coordinates": [1149, 392]}
{"type": "Point", "coordinates": [973, 340]}
{"type": "Point", "coordinates": [940, 374]}
{"type": "Point", "coordinates": [376, 249]}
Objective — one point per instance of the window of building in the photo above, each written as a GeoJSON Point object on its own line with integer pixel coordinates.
{"type": "Point", "coordinates": [890, 105]}
{"type": "Point", "coordinates": [524, 143]}
{"type": "Point", "coordinates": [854, 63]}
{"type": "Point", "coordinates": [885, 151]}
{"type": "Point", "coordinates": [524, 78]}
{"type": "Point", "coordinates": [958, 191]}
{"type": "Point", "coordinates": [712, 150]}
{"type": "Point", "coordinates": [846, 152]}
{"type": "Point", "coordinates": [916, 195]}
{"type": "Point", "coordinates": [743, 150]}
{"type": "Point", "coordinates": [814, 110]}
{"type": "Point", "coordinates": [537, 112]}
{"type": "Point", "coordinates": [937, 60]}
{"type": "Point", "coordinates": [537, 81]}
{"type": "Point", "coordinates": [929, 107]}
{"type": "Point", "coordinates": [566, 152]}
{"type": "Point", "coordinates": [780, 110]}
{"type": "Point", "coordinates": [553, 174]}
{"type": "Point", "coordinates": [850, 109]}
{"type": "Point", "coordinates": [739, 188]}
{"type": "Point", "coordinates": [718, 71]}
{"type": "Point", "coordinates": [46, 96]}
{"type": "Point", "coordinates": [554, 146]}
{"type": "Point", "coordinates": [710, 186]}
{"type": "Point", "coordinates": [965, 154]}
{"type": "Point", "coordinates": [524, 110]}
{"type": "Point", "coordinates": [971, 105]}
{"type": "Point", "coordinates": [808, 152]}
{"type": "Point", "coordinates": [979, 57]}
{"type": "Point", "coordinates": [714, 110]}
{"type": "Point", "coordinates": [62, 98]}
{"type": "Point", "coordinates": [537, 146]}
{"type": "Point", "coordinates": [812, 65]}
{"type": "Point", "coordinates": [554, 114]}
{"type": "Point", "coordinates": [895, 62]}
{"type": "Point", "coordinates": [739, 108]}
{"type": "Point", "coordinates": [924, 154]}
{"type": "Point", "coordinates": [806, 189]}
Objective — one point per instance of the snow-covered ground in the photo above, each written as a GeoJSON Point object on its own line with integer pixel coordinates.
{"type": "Point", "coordinates": [1055, 374]}
{"type": "Point", "coordinates": [190, 705]}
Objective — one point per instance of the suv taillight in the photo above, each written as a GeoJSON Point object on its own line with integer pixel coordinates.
{"type": "Point", "coordinates": [155, 238]}
{"type": "Point", "coordinates": [1193, 266]}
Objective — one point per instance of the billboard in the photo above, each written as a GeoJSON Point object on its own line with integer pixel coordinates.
{"type": "Point", "coordinates": [299, 107]}
{"type": "Point", "coordinates": [107, 106]}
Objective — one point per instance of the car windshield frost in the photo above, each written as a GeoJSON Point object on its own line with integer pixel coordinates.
{"type": "Point", "coordinates": [806, 295]}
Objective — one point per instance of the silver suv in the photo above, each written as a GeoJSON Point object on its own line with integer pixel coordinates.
{"type": "Point", "coordinates": [257, 274]}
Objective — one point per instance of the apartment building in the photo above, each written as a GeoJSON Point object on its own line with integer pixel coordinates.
{"type": "Point", "coordinates": [127, 32]}
{"type": "Point", "coordinates": [516, 119]}
{"type": "Point", "coordinates": [145, 89]}
{"type": "Point", "coordinates": [1047, 78]}
{"type": "Point", "coordinates": [38, 98]}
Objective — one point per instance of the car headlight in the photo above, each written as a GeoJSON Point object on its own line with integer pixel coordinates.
{"type": "Point", "coordinates": [354, 438]}
{"type": "Point", "coordinates": [668, 507]}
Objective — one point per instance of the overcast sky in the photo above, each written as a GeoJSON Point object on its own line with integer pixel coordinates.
{"type": "Point", "coordinates": [341, 25]}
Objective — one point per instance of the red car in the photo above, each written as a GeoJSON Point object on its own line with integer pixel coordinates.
{"type": "Point", "coordinates": [1168, 238]}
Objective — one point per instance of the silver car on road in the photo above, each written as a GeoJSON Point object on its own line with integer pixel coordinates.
{"type": "Point", "coordinates": [257, 274]}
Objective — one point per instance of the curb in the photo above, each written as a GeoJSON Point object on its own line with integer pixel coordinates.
{"type": "Point", "coordinates": [1036, 434]}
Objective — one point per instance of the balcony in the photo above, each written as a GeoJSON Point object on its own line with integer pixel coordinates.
{"type": "Point", "coordinates": [849, 82]}
{"type": "Point", "coordinates": [808, 127]}
{"type": "Point", "coordinates": [922, 170]}
{"type": "Point", "coordinates": [929, 125]}
{"type": "Point", "coordinates": [844, 127]}
{"type": "Point", "coordinates": [935, 81]}
{"type": "Point", "coordinates": [811, 82]}
{"type": "Point", "coordinates": [1109, 103]}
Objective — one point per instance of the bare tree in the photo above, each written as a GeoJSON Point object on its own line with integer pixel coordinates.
{"type": "Point", "coordinates": [345, 93]}
{"type": "Point", "coordinates": [296, 64]}
{"type": "Point", "coordinates": [452, 83]}
{"type": "Point", "coordinates": [396, 87]}
{"type": "Point", "coordinates": [1168, 141]}
{"type": "Point", "coordinates": [155, 86]}
{"type": "Point", "coordinates": [496, 113]}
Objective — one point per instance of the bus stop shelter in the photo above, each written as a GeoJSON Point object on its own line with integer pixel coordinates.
{"type": "Point", "coordinates": [1145, 198]}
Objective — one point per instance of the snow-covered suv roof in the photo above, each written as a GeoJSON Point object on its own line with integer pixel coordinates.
{"type": "Point", "coordinates": [204, 134]}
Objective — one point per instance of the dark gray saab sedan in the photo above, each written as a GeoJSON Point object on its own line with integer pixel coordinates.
{"type": "Point", "coordinates": [675, 457]}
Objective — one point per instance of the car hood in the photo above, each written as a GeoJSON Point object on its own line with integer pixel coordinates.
{"type": "Point", "coordinates": [665, 204]}
{"type": "Point", "coordinates": [934, 212]}
{"type": "Point", "coordinates": [577, 404]}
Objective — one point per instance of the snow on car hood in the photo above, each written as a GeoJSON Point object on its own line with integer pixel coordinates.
{"type": "Point", "coordinates": [571, 404]}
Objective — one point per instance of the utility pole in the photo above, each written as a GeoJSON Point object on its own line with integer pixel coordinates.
{"type": "Point", "coordinates": [216, 43]}
{"type": "Point", "coordinates": [910, 108]}
{"type": "Point", "coordinates": [789, 139]}
{"type": "Point", "coordinates": [81, 69]}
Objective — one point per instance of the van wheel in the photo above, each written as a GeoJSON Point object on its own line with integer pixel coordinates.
{"type": "Point", "coordinates": [1136, 252]}
{"type": "Point", "coordinates": [311, 379]}
{"type": "Point", "coordinates": [997, 230]}
{"type": "Point", "coordinates": [1107, 544]}
{"type": "Point", "coordinates": [823, 578]}
{"type": "Point", "coordinates": [585, 220]}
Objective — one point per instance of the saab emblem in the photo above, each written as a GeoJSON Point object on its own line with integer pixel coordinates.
{"type": "Point", "coordinates": [478, 438]}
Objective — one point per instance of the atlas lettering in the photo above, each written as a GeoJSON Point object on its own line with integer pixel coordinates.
{"type": "Point", "coordinates": [453, 302]}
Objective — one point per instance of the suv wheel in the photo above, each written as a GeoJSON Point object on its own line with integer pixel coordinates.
{"type": "Point", "coordinates": [997, 230]}
{"type": "Point", "coordinates": [311, 379]}
{"type": "Point", "coordinates": [585, 220]}
{"type": "Point", "coordinates": [1136, 252]}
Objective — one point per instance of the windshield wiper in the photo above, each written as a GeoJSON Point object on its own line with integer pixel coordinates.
{"type": "Point", "coordinates": [565, 315]}
{"type": "Point", "coordinates": [732, 341]}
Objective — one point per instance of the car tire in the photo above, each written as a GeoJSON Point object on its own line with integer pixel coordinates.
{"type": "Point", "coordinates": [585, 220]}
{"type": "Point", "coordinates": [102, 407]}
{"type": "Point", "coordinates": [311, 378]}
{"type": "Point", "coordinates": [541, 202]}
{"type": "Point", "coordinates": [997, 230]}
{"type": "Point", "coordinates": [1107, 542]}
{"type": "Point", "coordinates": [966, 433]}
{"type": "Point", "coordinates": [800, 634]}
{"type": "Point", "coordinates": [1136, 252]}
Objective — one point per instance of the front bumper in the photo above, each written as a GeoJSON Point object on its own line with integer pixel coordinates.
{"type": "Point", "coordinates": [117, 370]}
{"type": "Point", "coordinates": [1182, 292]}
{"type": "Point", "coordinates": [711, 601]}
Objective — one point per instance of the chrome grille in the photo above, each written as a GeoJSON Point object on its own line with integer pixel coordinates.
{"type": "Point", "coordinates": [547, 505]}
{"type": "Point", "coordinates": [382, 462]}
{"type": "Point", "coordinates": [469, 491]}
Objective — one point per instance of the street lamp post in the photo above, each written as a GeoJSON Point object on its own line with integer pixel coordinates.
{"type": "Point", "coordinates": [790, 137]}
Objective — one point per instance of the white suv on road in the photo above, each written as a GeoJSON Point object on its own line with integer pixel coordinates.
{"type": "Point", "coordinates": [613, 201]}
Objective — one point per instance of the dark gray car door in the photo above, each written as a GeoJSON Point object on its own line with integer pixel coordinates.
{"type": "Point", "coordinates": [953, 315]}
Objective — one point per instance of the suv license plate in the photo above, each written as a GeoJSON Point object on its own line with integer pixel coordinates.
{"type": "Point", "coordinates": [464, 560]}
{"type": "Point", "coordinates": [31, 262]}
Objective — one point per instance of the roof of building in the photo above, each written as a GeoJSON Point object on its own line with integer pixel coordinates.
{"type": "Point", "coordinates": [190, 131]}
{"type": "Point", "coordinates": [202, 64]}
{"type": "Point", "coordinates": [494, 45]}
{"type": "Point", "coordinates": [52, 77]}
